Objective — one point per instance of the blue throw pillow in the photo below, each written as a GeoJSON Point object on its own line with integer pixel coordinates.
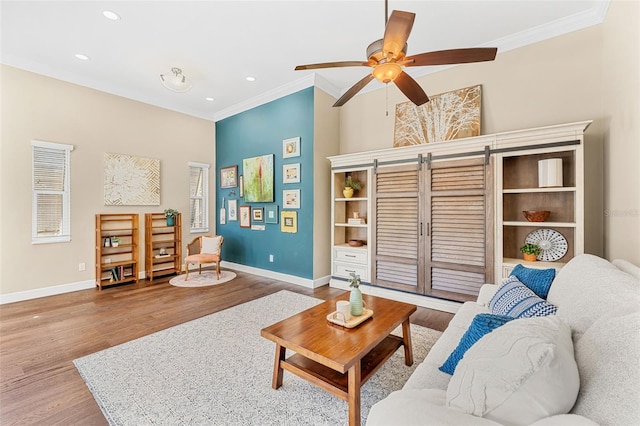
{"type": "Point", "coordinates": [481, 325]}
{"type": "Point", "coordinates": [538, 280]}
{"type": "Point", "coordinates": [517, 300]}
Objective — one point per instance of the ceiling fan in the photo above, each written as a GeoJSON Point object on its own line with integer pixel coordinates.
{"type": "Point", "coordinates": [387, 57]}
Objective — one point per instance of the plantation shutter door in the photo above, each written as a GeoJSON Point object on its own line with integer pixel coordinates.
{"type": "Point", "coordinates": [396, 250]}
{"type": "Point", "coordinates": [461, 244]}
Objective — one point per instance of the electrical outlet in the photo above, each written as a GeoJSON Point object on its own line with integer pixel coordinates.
{"type": "Point", "coordinates": [82, 266]}
{"type": "Point", "coordinates": [271, 258]}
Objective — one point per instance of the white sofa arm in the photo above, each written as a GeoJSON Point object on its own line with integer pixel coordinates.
{"type": "Point", "coordinates": [565, 420]}
{"type": "Point", "coordinates": [486, 293]}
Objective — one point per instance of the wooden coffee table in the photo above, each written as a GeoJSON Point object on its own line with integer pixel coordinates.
{"type": "Point", "coordinates": [337, 359]}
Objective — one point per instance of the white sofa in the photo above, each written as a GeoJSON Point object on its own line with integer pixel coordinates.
{"type": "Point", "coordinates": [599, 301]}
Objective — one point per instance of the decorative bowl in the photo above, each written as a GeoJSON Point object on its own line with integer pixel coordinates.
{"type": "Point", "coordinates": [536, 215]}
{"type": "Point", "coordinates": [356, 243]}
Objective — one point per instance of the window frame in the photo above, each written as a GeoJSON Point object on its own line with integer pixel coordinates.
{"type": "Point", "coordinates": [205, 198]}
{"type": "Point", "coordinates": [65, 232]}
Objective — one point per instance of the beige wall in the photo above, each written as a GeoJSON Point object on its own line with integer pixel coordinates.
{"type": "Point", "coordinates": [326, 142]}
{"type": "Point", "coordinates": [590, 74]}
{"type": "Point", "coordinates": [42, 108]}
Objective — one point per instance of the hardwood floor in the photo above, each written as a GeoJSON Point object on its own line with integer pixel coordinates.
{"type": "Point", "coordinates": [40, 338]}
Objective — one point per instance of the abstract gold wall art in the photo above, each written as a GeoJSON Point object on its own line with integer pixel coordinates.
{"type": "Point", "coordinates": [131, 181]}
{"type": "Point", "coordinates": [447, 116]}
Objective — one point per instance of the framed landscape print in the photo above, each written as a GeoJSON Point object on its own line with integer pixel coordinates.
{"type": "Point", "coordinates": [291, 173]}
{"type": "Point", "coordinates": [291, 199]}
{"type": "Point", "coordinates": [229, 177]}
{"type": "Point", "coordinates": [291, 147]}
{"type": "Point", "coordinates": [258, 179]}
{"type": "Point", "coordinates": [245, 217]}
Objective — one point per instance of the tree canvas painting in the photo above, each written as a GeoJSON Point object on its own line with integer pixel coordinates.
{"type": "Point", "coordinates": [447, 116]}
{"type": "Point", "coordinates": [258, 179]}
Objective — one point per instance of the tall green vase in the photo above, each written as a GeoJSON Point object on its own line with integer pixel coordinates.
{"type": "Point", "coordinates": [355, 302]}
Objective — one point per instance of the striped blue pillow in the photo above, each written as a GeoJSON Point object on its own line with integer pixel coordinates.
{"type": "Point", "coordinates": [517, 300]}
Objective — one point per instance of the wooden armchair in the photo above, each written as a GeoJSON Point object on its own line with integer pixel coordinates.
{"type": "Point", "coordinates": [204, 249]}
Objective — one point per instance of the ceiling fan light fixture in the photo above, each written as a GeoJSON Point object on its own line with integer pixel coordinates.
{"type": "Point", "coordinates": [177, 82]}
{"type": "Point", "coordinates": [387, 72]}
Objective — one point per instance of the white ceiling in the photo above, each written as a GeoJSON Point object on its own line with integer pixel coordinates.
{"type": "Point", "coordinates": [219, 43]}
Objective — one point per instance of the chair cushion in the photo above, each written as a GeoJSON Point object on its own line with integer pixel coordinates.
{"type": "Point", "coordinates": [202, 258]}
{"type": "Point", "coordinates": [538, 280]}
{"type": "Point", "coordinates": [517, 300]}
{"type": "Point", "coordinates": [481, 325]}
{"type": "Point", "coordinates": [210, 245]}
{"type": "Point", "coordinates": [519, 373]}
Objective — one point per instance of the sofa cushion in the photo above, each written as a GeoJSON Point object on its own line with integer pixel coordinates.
{"type": "Point", "coordinates": [517, 300]}
{"type": "Point", "coordinates": [607, 356]}
{"type": "Point", "coordinates": [588, 288]}
{"type": "Point", "coordinates": [538, 280]}
{"type": "Point", "coordinates": [481, 325]}
{"type": "Point", "coordinates": [519, 373]}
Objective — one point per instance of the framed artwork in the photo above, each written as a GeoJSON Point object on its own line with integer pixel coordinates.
{"type": "Point", "coordinates": [233, 210]}
{"type": "Point", "coordinates": [291, 147]}
{"type": "Point", "coordinates": [245, 217]}
{"type": "Point", "coordinates": [241, 189]}
{"type": "Point", "coordinates": [229, 177]}
{"type": "Point", "coordinates": [271, 214]}
{"type": "Point", "coordinates": [257, 214]}
{"type": "Point", "coordinates": [131, 181]}
{"type": "Point", "coordinates": [291, 199]}
{"type": "Point", "coordinates": [289, 222]}
{"type": "Point", "coordinates": [291, 173]}
{"type": "Point", "coordinates": [258, 179]}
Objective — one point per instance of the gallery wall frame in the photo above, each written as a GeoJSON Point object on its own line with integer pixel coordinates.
{"type": "Point", "coordinates": [271, 214]}
{"type": "Point", "coordinates": [291, 147]}
{"type": "Point", "coordinates": [291, 199]}
{"type": "Point", "coordinates": [257, 214]}
{"type": "Point", "coordinates": [245, 217]}
{"type": "Point", "coordinates": [233, 210]}
{"type": "Point", "coordinates": [289, 222]}
{"type": "Point", "coordinates": [258, 179]}
{"type": "Point", "coordinates": [229, 177]}
{"type": "Point", "coordinates": [291, 173]}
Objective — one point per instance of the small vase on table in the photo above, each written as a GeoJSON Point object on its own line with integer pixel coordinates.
{"type": "Point", "coordinates": [355, 298]}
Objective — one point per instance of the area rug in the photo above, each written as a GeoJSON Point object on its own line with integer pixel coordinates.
{"type": "Point", "coordinates": [202, 280]}
{"type": "Point", "coordinates": [217, 370]}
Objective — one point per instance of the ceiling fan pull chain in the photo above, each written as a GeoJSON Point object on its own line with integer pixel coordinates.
{"type": "Point", "coordinates": [386, 95]}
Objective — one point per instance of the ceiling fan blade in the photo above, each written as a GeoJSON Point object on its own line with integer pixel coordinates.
{"type": "Point", "coordinates": [411, 89]}
{"type": "Point", "coordinates": [397, 32]}
{"type": "Point", "coordinates": [354, 90]}
{"type": "Point", "coordinates": [453, 56]}
{"type": "Point", "coordinates": [332, 65]}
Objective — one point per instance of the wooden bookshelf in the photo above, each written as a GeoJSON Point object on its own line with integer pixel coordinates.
{"type": "Point", "coordinates": [163, 245]}
{"type": "Point", "coordinates": [116, 249]}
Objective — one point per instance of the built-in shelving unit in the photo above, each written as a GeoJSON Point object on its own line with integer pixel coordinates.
{"type": "Point", "coordinates": [116, 249]}
{"type": "Point", "coordinates": [347, 259]}
{"type": "Point", "coordinates": [163, 245]}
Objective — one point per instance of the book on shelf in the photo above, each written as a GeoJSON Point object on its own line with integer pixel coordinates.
{"type": "Point", "coordinates": [354, 221]}
{"type": "Point", "coordinates": [157, 256]}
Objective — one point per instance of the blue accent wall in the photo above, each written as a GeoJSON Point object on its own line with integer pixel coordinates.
{"type": "Point", "coordinates": [260, 131]}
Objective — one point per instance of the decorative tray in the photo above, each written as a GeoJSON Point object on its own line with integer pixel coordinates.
{"type": "Point", "coordinates": [353, 322]}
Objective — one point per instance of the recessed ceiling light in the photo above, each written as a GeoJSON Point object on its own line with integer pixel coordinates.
{"type": "Point", "coordinates": [210, 99]}
{"type": "Point", "coordinates": [110, 15]}
{"type": "Point", "coordinates": [251, 79]}
{"type": "Point", "coordinates": [82, 57]}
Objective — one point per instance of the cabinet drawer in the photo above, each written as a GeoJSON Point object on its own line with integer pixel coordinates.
{"type": "Point", "coordinates": [351, 256]}
{"type": "Point", "coordinates": [344, 269]}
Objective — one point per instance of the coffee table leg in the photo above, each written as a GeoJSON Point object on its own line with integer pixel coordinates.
{"type": "Point", "coordinates": [354, 394]}
{"type": "Point", "coordinates": [277, 367]}
{"type": "Point", "coordinates": [406, 337]}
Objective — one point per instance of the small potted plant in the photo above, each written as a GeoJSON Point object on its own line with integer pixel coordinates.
{"type": "Point", "coordinates": [350, 185]}
{"type": "Point", "coordinates": [355, 299]}
{"type": "Point", "coordinates": [170, 214]}
{"type": "Point", "coordinates": [530, 252]}
{"type": "Point", "coordinates": [115, 241]}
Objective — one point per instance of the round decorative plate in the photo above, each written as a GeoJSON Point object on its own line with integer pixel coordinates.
{"type": "Point", "coordinates": [553, 244]}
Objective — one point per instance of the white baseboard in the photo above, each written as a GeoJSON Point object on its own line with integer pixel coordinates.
{"type": "Point", "coordinates": [46, 291]}
{"type": "Point", "coordinates": [401, 296]}
{"type": "Point", "coordinates": [304, 282]}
